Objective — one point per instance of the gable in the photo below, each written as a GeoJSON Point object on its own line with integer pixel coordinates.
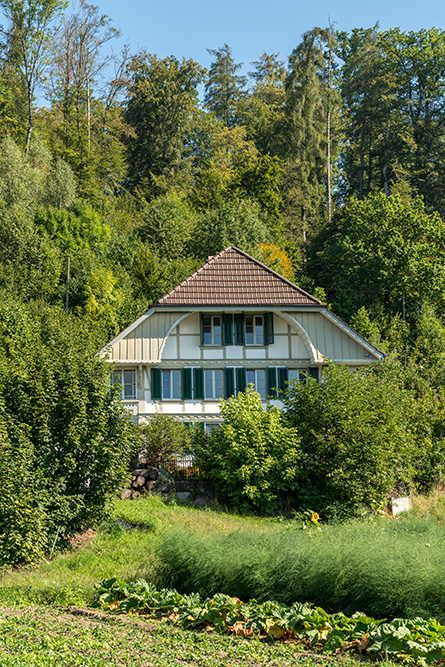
{"type": "Point", "coordinates": [332, 338]}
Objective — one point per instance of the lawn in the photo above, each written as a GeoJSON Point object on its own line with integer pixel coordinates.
{"type": "Point", "coordinates": [116, 549]}
{"type": "Point", "coordinates": [44, 615]}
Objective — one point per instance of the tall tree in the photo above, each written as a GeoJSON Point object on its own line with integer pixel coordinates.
{"type": "Point", "coordinates": [162, 101]}
{"type": "Point", "coordinates": [373, 125]}
{"type": "Point", "coordinates": [78, 60]}
{"type": "Point", "coordinates": [224, 87]}
{"type": "Point", "coordinates": [30, 22]}
{"type": "Point", "coordinates": [306, 146]}
{"type": "Point", "coordinates": [262, 110]}
{"type": "Point", "coordinates": [418, 59]}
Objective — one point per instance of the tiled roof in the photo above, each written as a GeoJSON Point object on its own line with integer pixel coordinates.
{"type": "Point", "coordinates": [233, 278]}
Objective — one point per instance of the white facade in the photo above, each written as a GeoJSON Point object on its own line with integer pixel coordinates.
{"type": "Point", "coordinates": [173, 360]}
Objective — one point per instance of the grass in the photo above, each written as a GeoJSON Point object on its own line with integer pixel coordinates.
{"type": "Point", "coordinates": [360, 565]}
{"type": "Point", "coordinates": [46, 637]}
{"type": "Point", "coordinates": [130, 554]}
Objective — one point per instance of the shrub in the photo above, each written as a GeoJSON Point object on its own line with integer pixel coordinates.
{"type": "Point", "coordinates": [253, 456]}
{"type": "Point", "coordinates": [22, 527]}
{"type": "Point", "coordinates": [162, 439]}
{"type": "Point", "coordinates": [66, 438]}
{"type": "Point", "coordinates": [360, 436]}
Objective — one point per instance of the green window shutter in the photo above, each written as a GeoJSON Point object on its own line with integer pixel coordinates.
{"type": "Point", "coordinates": [268, 329]}
{"type": "Point", "coordinates": [229, 382]}
{"type": "Point", "coordinates": [271, 382]}
{"type": "Point", "coordinates": [156, 384]}
{"type": "Point", "coordinates": [227, 329]}
{"type": "Point", "coordinates": [241, 379]}
{"type": "Point", "coordinates": [239, 329]}
{"type": "Point", "coordinates": [198, 383]}
{"type": "Point", "coordinates": [283, 375]}
{"type": "Point", "coordinates": [186, 384]}
{"type": "Point", "coordinates": [314, 373]}
{"type": "Point", "coordinates": [202, 329]}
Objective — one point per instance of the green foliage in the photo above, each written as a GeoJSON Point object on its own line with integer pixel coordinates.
{"type": "Point", "coordinates": [224, 87]}
{"type": "Point", "coordinates": [270, 620]}
{"type": "Point", "coordinates": [161, 439]}
{"type": "Point", "coordinates": [58, 404]}
{"type": "Point", "coordinates": [386, 248]}
{"type": "Point", "coordinates": [360, 436]}
{"type": "Point", "coordinates": [162, 98]}
{"type": "Point", "coordinates": [30, 265]}
{"type": "Point", "coordinates": [252, 455]}
{"type": "Point", "coordinates": [240, 224]}
{"type": "Point", "coordinates": [168, 226]}
{"type": "Point", "coordinates": [383, 568]}
{"type": "Point", "coordinates": [22, 522]}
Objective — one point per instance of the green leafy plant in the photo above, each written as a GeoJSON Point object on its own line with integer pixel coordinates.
{"type": "Point", "coordinates": [253, 456]}
{"type": "Point", "coordinates": [332, 633]}
{"type": "Point", "coordinates": [161, 439]}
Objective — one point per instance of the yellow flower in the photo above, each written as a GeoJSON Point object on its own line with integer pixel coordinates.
{"type": "Point", "coordinates": [314, 517]}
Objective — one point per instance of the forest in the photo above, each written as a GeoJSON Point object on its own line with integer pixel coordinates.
{"type": "Point", "coordinates": [121, 173]}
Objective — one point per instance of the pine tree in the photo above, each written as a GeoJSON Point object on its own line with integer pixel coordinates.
{"type": "Point", "coordinates": [306, 145]}
{"type": "Point", "coordinates": [224, 87]}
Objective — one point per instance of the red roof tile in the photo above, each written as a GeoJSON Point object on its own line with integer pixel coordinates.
{"type": "Point", "coordinates": [234, 278]}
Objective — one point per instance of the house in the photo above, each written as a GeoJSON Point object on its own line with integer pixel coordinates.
{"type": "Point", "coordinates": [231, 323]}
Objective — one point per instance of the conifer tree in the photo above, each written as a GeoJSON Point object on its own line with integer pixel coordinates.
{"type": "Point", "coordinates": [224, 87]}
{"type": "Point", "coordinates": [306, 146]}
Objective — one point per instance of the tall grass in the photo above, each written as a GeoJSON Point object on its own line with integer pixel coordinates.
{"type": "Point", "coordinates": [385, 569]}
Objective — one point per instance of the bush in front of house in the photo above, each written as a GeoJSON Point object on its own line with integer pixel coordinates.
{"type": "Point", "coordinates": [252, 456]}
{"type": "Point", "coordinates": [362, 435]}
{"type": "Point", "coordinates": [162, 439]}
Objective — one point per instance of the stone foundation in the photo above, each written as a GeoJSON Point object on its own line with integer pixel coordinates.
{"type": "Point", "coordinates": [146, 481]}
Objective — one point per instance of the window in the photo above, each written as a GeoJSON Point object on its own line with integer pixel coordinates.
{"type": "Point", "coordinates": [237, 329]}
{"type": "Point", "coordinates": [171, 384]}
{"type": "Point", "coordinates": [302, 375]}
{"type": "Point", "coordinates": [212, 330]}
{"type": "Point", "coordinates": [127, 380]}
{"type": "Point", "coordinates": [258, 379]}
{"type": "Point", "coordinates": [213, 384]}
{"type": "Point", "coordinates": [210, 428]}
{"type": "Point", "coordinates": [254, 331]}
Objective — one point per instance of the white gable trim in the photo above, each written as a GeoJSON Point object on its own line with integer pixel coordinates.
{"type": "Point", "coordinates": [314, 356]}
{"type": "Point", "coordinates": [175, 324]}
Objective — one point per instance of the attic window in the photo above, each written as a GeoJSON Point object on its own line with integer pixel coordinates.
{"type": "Point", "coordinates": [212, 330]}
{"type": "Point", "coordinates": [254, 331]}
{"type": "Point", "coordinates": [237, 329]}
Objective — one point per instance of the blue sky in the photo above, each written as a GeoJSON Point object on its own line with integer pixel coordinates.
{"type": "Point", "coordinates": [187, 28]}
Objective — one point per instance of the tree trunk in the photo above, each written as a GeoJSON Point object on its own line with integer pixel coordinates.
{"type": "Point", "coordinates": [328, 137]}
{"type": "Point", "coordinates": [385, 163]}
{"type": "Point", "coordinates": [88, 111]}
{"type": "Point", "coordinates": [362, 164]}
{"type": "Point", "coordinates": [30, 120]}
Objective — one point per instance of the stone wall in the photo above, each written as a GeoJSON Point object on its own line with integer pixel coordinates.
{"type": "Point", "coordinates": [146, 481]}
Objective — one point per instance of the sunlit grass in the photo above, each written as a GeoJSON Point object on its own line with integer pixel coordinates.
{"type": "Point", "coordinates": [70, 577]}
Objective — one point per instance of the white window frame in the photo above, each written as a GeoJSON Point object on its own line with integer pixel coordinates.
{"type": "Point", "coordinates": [214, 338]}
{"type": "Point", "coordinates": [256, 333]}
{"type": "Point", "coordinates": [256, 382]}
{"type": "Point", "coordinates": [174, 384]}
{"type": "Point", "coordinates": [118, 377]}
{"type": "Point", "coordinates": [211, 372]}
